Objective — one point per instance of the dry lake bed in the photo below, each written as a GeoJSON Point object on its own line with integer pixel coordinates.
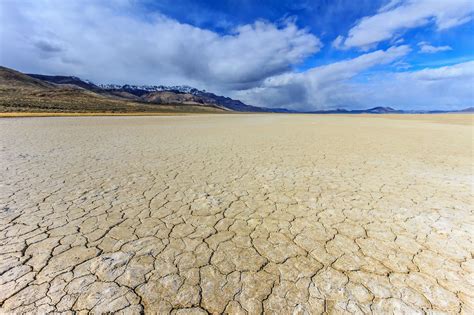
{"type": "Point", "coordinates": [239, 214]}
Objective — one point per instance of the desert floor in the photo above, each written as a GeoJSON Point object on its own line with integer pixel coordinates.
{"type": "Point", "coordinates": [237, 213]}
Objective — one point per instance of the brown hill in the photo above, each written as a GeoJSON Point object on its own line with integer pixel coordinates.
{"type": "Point", "coordinates": [166, 97]}
{"type": "Point", "coordinates": [13, 79]}
{"type": "Point", "coordinates": [22, 93]}
{"type": "Point", "coordinates": [176, 95]}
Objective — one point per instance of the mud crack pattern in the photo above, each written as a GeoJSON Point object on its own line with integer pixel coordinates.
{"type": "Point", "coordinates": [239, 214]}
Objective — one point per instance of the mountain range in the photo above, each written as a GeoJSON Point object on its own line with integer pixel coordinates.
{"type": "Point", "coordinates": [152, 94]}
{"type": "Point", "coordinates": [37, 92]}
{"type": "Point", "coordinates": [389, 110]}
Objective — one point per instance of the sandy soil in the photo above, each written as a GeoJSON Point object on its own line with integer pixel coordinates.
{"type": "Point", "coordinates": [236, 213]}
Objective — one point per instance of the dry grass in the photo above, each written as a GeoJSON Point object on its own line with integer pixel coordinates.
{"type": "Point", "coordinates": [63, 100]}
{"type": "Point", "coordinates": [20, 93]}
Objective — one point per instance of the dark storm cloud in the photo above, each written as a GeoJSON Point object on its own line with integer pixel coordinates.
{"type": "Point", "coordinates": [47, 47]}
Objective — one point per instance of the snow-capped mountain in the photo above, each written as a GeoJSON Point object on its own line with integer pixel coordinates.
{"type": "Point", "coordinates": [179, 94]}
{"type": "Point", "coordinates": [155, 94]}
{"type": "Point", "coordinates": [151, 88]}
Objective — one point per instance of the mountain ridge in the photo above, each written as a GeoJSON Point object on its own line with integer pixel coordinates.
{"type": "Point", "coordinates": [23, 93]}
{"type": "Point", "coordinates": [152, 94]}
{"type": "Point", "coordinates": [175, 95]}
{"type": "Point", "coordinates": [157, 94]}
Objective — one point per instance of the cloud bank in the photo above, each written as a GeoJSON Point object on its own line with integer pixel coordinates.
{"type": "Point", "coordinates": [105, 44]}
{"type": "Point", "coordinates": [333, 86]}
{"type": "Point", "coordinates": [448, 87]}
{"type": "Point", "coordinates": [319, 88]}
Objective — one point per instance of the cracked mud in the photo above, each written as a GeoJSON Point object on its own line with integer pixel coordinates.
{"type": "Point", "coordinates": [239, 214]}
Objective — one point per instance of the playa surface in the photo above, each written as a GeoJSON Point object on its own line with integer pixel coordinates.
{"type": "Point", "coordinates": [237, 213]}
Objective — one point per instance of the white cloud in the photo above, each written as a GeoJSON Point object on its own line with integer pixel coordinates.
{"type": "Point", "coordinates": [398, 16]}
{"type": "Point", "coordinates": [448, 87]}
{"type": "Point", "coordinates": [108, 42]}
{"type": "Point", "coordinates": [462, 71]}
{"type": "Point", "coordinates": [390, 5]}
{"type": "Point", "coordinates": [336, 86]}
{"type": "Point", "coordinates": [429, 49]}
{"type": "Point", "coordinates": [337, 43]}
{"type": "Point", "coordinates": [318, 87]}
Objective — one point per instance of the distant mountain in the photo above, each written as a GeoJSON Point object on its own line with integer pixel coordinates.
{"type": "Point", "coordinates": [467, 110]}
{"type": "Point", "coordinates": [382, 110]}
{"type": "Point", "coordinates": [59, 79]}
{"type": "Point", "coordinates": [157, 94]}
{"type": "Point", "coordinates": [20, 92]}
{"type": "Point", "coordinates": [181, 94]}
{"type": "Point", "coordinates": [14, 79]}
{"type": "Point", "coordinates": [229, 103]}
{"type": "Point", "coordinates": [140, 90]}
{"type": "Point", "coordinates": [389, 110]}
{"type": "Point", "coordinates": [374, 110]}
{"type": "Point", "coordinates": [73, 93]}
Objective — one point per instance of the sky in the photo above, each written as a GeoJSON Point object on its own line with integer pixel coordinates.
{"type": "Point", "coordinates": [300, 54]}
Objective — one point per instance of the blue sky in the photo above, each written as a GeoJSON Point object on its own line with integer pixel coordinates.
{"type": "Point", "coordinates": [296, 54]}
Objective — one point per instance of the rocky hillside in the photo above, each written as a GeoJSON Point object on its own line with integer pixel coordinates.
{"type": "Point", "coordinates": [24, 93]}
{"type": "Point", "coordinates": [156, 94]}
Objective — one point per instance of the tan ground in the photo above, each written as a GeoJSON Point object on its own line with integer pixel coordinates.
{"type": "Point", "coordinates": [236, 213]}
